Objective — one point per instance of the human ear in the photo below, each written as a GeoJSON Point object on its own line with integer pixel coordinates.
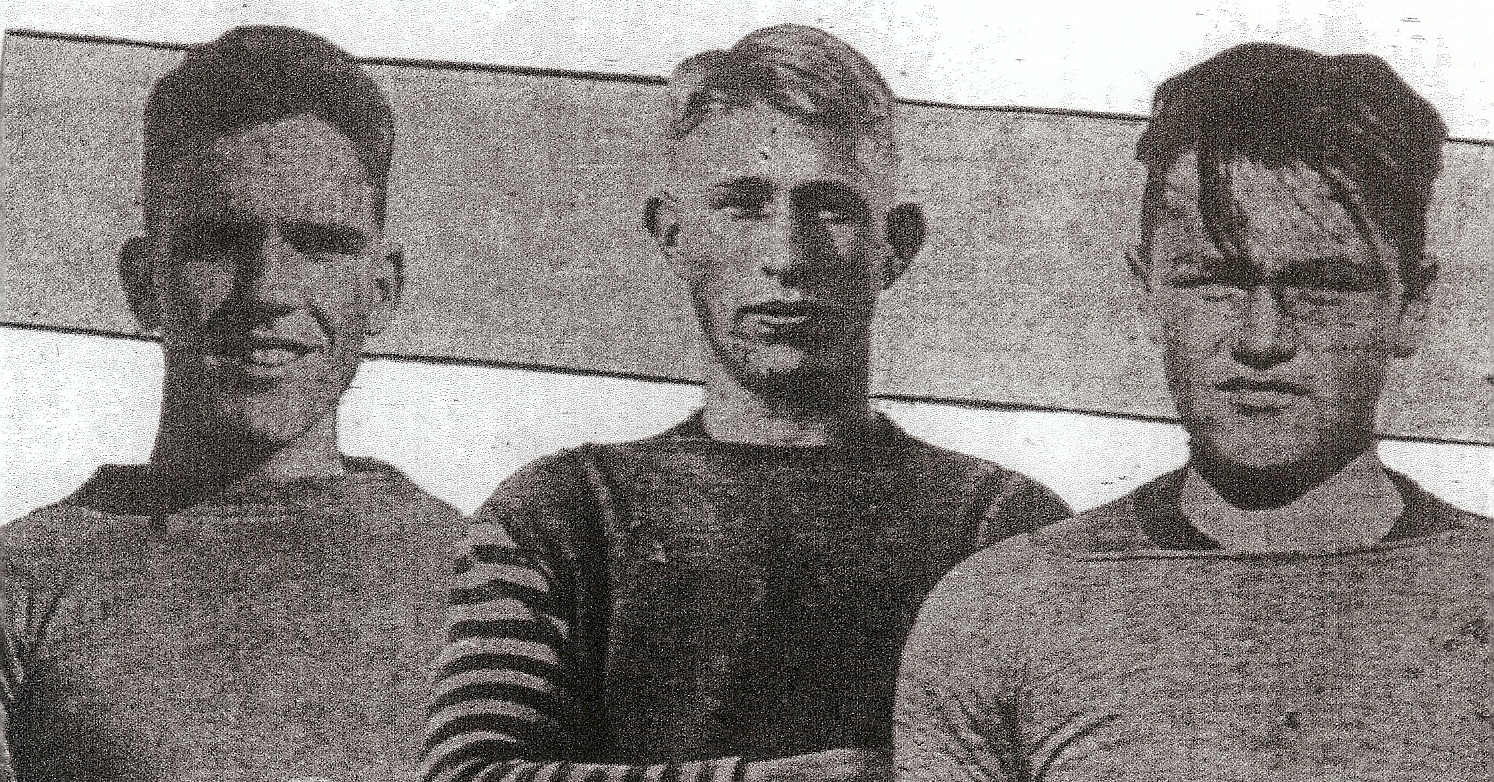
{"type": "Point", "coordinates": [137, 277]}
{"type": "Point", "coordinates": [389, 285]}
{"type": "Point", "coordinates": [1411, 325]}
{"type": "Point", "coordinates": [906, 231]}
{"type": "Point", "coordinates": [1147, 306]}
{"type": "Point", "coordinates": [661, 218]}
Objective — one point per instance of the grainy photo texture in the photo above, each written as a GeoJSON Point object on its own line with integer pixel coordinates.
{"type": "Point", "coordinates": [650, 391]}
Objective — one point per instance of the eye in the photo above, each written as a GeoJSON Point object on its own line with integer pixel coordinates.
{"type": "Point", "coordinates": [832, 215]}
{"type": "Point", "coordinates": [1320, 297]}
{"type": "Point", "coordinates": [214, 241]}
{"type": "Point", "coordinates": [738, 207]}
{"type": "Point", "coordinates": [1218, 291]}
{"type": "Point", "coordinates": [324, 240]}
{"type": "Point", "coordinates": [1204, 286]}
{"type": "Point", "coordinates": [828, 203]}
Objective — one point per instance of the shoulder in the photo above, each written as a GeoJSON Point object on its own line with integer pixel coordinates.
{"type": "Point", "coordinates": [1130, 523]}
{"type": "Point", "coordinates": [78, 543]}
{"type": "Point", "coordinates": [981, 611]}
{"type": "Point", "coordinates": [94, 517]}
{"type": "Point", "coordinates": [407, 513]}
{"type": "Point", "coordinates": [988, 486]}
{"type": "Point", "coordinates": [557, 480]}
{"type": "Point", "coordinates": [381, 481]}
{"type": "Point", "coordinates": [1427, 514]}
{"type": "Point", "coordinates": [925, 456]}
{"type": "Point", "coordinates": [999, 583]}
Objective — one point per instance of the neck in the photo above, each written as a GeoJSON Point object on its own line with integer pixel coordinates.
{"type": "Point", "coordinates": [1263, 489]}
{"type": "Point", "coordinates": [202, 458]}
{"type": "Point", "coordinates": [804, 415]}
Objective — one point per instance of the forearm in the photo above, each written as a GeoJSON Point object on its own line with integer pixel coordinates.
{"type": "Point", "coordinates": [841, 765]}
{"type": "Point", "coordinates": [474, 768]}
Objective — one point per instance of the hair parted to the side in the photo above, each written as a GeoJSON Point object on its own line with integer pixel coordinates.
{"type": "Point", "coordinates": [1374, 140]}
{"type": "Point", "coordinates": [802, 71]}
{"type": "Point", "coordinates": [256, 74]}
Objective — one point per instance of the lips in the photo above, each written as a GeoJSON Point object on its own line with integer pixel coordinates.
{"type": "Point", "coordinates": [778, 319]}
{"type": "Point", "coordinates": [272, 357]}
{"type": "Point", "coordinates": [1264, 394]}
{"type": "Point", "coordinates": [265, 354]}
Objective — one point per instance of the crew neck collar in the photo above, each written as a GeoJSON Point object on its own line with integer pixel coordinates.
{"type": "Point", "coordinates": [1162, 525]}
{"type": "Point", "coordinates": [878, 431]}
{"type": "Point", "coordinates": [137, 489]}
{"type": "Point", "coordinates": [1355, 508]}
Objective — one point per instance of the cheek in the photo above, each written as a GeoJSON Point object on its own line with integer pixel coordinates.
{"type": "Point", "coordinates": [342, 297]}
{"type": "Point", "coordinates": [1192, 329]}
{"type": "Point", "coordinates": [851, 240]}
{"type": "Point", "coordinates": [716, 265]}
{"type": "Point", "coordinates": [719, 247]}
{"type": "Point", "coordinates": [194, 291]}
{"type": "Point", "coordinates": [1349, 371]}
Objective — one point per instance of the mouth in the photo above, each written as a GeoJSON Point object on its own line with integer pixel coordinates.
{"type": "Point", "coordinates": [778, 316]}
{"type": "Point", "coordinates": [1262, 395]}
{"type": "Point", "coordinates": [265, 354]}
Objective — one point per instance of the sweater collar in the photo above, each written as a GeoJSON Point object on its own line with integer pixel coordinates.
{"type": "Point", "coordinates": [880, 431]}
{"type": "Point", "coordinates": [1354, 509]}
{"type": "Point", "coordinates": [135, 489]}
{"type": "Point", "coordinates": [1160, 517]}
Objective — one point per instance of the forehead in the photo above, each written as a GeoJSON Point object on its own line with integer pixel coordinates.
{"type": "Point", "coordinates": [1269, 212]}
{"type": "Point", "coordinates": [760, 141]}
{"type": "Point", "coordinates": [298, 166]}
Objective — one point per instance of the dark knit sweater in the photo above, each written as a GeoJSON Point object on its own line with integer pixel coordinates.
{"type": "Point", "coordinates": [268, 633]}
{"type": "Point", "coordinates": [1125, 645]}
{"type": "Point", "coordinates": [683, 602]}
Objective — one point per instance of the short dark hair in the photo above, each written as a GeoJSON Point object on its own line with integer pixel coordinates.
{"type": "Point", "coordinates": [802, 71]}
{"type": "Point", "coordinates": [1377, 144]}
{"type": "Point", "coordinates": [256, 74]}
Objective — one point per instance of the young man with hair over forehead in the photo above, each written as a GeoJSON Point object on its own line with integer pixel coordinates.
{"type": "Point", "coordinates": [727, 600]}
{"type": "Point", "coordinates": [250, 604]}
{"type": "Point", "coordinates": [1283, 607]}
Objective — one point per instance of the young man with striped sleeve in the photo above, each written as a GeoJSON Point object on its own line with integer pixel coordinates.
{"type": "Point", "coordinates": [727, 600]}
{"type": "Point", "coordinates": [1283, 607]}
{"type": "Point", "coordinates": [249, 605]}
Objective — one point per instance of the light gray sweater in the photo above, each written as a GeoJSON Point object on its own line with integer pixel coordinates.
{"type": "Point", "coordinates": [263, 634]}
{"type": "Point", "coordinates": [1125, 645]}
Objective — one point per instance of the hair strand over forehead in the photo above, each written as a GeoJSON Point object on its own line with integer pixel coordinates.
{"type": "Point", "coordinates": [1375, 142]}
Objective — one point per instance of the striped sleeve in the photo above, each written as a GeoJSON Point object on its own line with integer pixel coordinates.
{"type": "Point", "coordinates": [12, 657]}
{"type": "Point", "coordinates": [504, 707]}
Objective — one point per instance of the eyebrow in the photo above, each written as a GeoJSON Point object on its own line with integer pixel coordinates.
{"type": "Point", "coordinates": [754, 186]}
{"type": "Point", "coordinates": [1195, 265]}
{"type": "Point", "coordinates": [1332, 272]}
{"type": "Point", "coordinates": [833, 190]}
{"type": "Point", "coordinates": [1328, 271]}
{"type": "Point", "coordinates": [345, 237]}
{"type": "Point", "coordinates": [348, 237]}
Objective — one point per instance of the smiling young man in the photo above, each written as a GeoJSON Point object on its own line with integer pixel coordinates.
{"type": "Point", "coordinates": [1283, 607]}
{"type": "Point", "coordinates": [727, 600]}
{"type": "Point", "coordinates": [249, 604]}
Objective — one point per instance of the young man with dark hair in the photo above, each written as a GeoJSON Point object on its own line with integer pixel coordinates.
{"type": "Point", "coordinates": [1283, 607]}
{"type": "Point", "coordinates": [727, 600]}
{"type": "Point", "coordinates": [250, 604]}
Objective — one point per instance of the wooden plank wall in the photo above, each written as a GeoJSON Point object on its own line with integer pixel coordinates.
{"type": "Point", "coordinates": [518, 197]}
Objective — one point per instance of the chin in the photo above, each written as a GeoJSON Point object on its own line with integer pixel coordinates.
{"type": "Point", "coordinates": [269, 424]}
{"type": "Point", "coordinates": [799, 377]}
{"type": "Point", "coordinates": [1286, 454]}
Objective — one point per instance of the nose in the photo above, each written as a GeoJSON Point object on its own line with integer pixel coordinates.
{"type": "Point", "coordinates": [1266, 338]}
{"type": "Point", "coordinates": [272, 275]}
{"type": "Point", "coordinates": [781, 247]}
